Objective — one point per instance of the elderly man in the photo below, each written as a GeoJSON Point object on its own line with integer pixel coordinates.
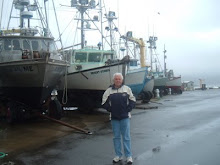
{"type": "Point", "coordinates": [119, 101]}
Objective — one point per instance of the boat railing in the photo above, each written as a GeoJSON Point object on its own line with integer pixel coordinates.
{"type": "Point", "coordinates": [21, 55]}
{"type": "Point", "coordinates": [27, 54]}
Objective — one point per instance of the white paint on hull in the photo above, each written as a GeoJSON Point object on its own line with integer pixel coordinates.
{"type": "Point", "coordinates": [135, 76]}
{"type": "Point", "coordinates": [149, 86]}
{"type": "Point", "coordinates": [99, 78]}
{"type": "Point", "coordinates": [160, 81]}
{"type": "Point", "coordinates": [175, 82]}
{"type": "Point", "coordinates": [31, 73]}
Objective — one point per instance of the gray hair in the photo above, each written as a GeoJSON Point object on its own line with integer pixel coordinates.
{"type": "Point", "coordinates": [118, 74]}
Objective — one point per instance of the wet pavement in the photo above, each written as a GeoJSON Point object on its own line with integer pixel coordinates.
{"type": "Point", "coordinates": [175, 130]}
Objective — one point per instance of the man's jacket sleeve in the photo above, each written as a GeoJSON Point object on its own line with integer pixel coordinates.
{"type": "Point", "coordinates": [105, 101]}
{"type": "Point", "coordinates": [131, 100]}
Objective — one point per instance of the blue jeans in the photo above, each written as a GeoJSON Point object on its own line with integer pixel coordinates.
{"type": "Point", "coordinates": [122, 127]}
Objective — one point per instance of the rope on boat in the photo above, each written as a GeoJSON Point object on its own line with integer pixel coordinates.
{"type": "Point", "coordinates": [65, 95]}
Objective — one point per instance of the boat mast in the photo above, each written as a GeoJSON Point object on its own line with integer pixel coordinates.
{"type": "Point", "coordinates": [45, 10]}
{"type": "Point", "coordinates": [1, 14]}
{"type": "Point", "coordinates": [101, 15]}
{"type": "Point", "coordinates": [110, 17]}
{"type": "Point", "coordinates": [82, 10]}
{"type": "Point", "coordinates": [165, 69]}
{"type": "Point", "coordinates": [82, 6]}
{"type": "Point", "coordinates": [10, 16]}
{"type": "Point", "coordinates": [57, 25]}
{"type": "Point", "coordinates": [152, 40]}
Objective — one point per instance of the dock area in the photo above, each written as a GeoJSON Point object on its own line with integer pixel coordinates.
{"type": "Point", "coordinates": [164, 132]}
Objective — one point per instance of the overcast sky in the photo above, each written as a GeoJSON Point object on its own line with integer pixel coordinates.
{"type": "Point", "coordinates": [190, 29]}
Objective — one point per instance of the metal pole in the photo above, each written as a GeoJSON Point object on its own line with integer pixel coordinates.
{"type": "Point", "coordinates": [82, 27]}
{"type": "Point", "coordinates": [66, 124]}
{"type": "Point", "coordinates": [10, 17]}
{"type": "Point", "coordinates": [165, 61]}
{"type": "Point", "coordinates": [110, 25]}
{"type": "Point", "coordinates": [151, 57]}
{"type": "Point", "coordinates": [1, 14]}
{"type": "Point", "coordinates": [101, 15]}
{"type": "Point", "coordinates": [46, 17]}
{"type": "Point", "coordinates": [57, 24]}
{"type": "Point", "coordinates": [40, 14]}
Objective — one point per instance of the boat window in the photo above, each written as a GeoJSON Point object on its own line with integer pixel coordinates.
{"type": "Point", "coordinates": [26, 44]}
{"type": "Point", "coordinates": [7, 45]}
{"type": "Point", "coordinates": [52, 46]}
{"type": "Point", "coordinates": [80, 57]}
{"type": "Point", "coordinates": [16, 45]}
{"type": "Point", "coordinates": [133, 63]}
{"type": "Point", "coordinates": [45, 45]}
{"type": "Point", "coordinates": [35, 45]}
{"type": "Point", "coordinates": [94, 57]}
{"type": "Point", "coordinates": [107, 56]}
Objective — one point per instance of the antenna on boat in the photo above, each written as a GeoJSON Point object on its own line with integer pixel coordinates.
{"type": "Point", "coordinates": [82, 6]}
{"type": "Point", "coordinates": [26, 15]}
{"type": "Point", "coordinates": [110, 17]}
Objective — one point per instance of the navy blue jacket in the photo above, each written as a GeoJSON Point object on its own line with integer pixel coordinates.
{"type": "Point", "coordinates": [118, 101]}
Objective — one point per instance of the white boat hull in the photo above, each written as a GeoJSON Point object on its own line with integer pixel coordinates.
{"type": "Point", "coordinates": [149, 85]}
{"type": "Point", "coordinates": [136, 79]}
{"type": "Point", "coordinates": [174, 82]}
{"type": "Point", "coordinates": [99, 78]}
{"type": "Point", "coordinates": [160, 81]}
{"type": "Point", "coordinates": [85, 88]}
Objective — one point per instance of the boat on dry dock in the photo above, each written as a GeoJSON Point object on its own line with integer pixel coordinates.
{"type": "Point", "coordinates": [163, 80]}
{"type": "Point", "coordinates": [138, 77]}
{"type": "Point", "coordinates": [174, 83]}
{"type": "Point", "coordinates": [90, 76]}
{"type": "Point", "coordinates": [91, 67]}
{"type": "Point", "coordinates": [30, 66]}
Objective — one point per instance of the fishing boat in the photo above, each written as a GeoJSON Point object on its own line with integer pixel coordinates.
{"type": "Point", "coordinates": [91, 67]}
{"type": "Point", "coordinates": [160, 82]}
{"type": "Point", "coordinates": [174, 83]}
{"type": "Point", "coordinates": [30, 66]}
{"type": "Point", "coordinates": [158, 76]}
{"type": "Point", "coordinates": [138, 77]}
{"type": "Point", "coordinates": [164, 80]}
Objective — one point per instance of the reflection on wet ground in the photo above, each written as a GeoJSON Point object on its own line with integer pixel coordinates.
{"type": "Point", "coordinates": [29, 136]}
{"type": "Point", "coordinates": [26, 136]}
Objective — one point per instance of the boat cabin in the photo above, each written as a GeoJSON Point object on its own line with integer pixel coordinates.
{"type": "Point", "coordinates": [16, 48]}
{"type": "Point", "coordinates": [91, 56]}
{"type": "Point", "coordinates": [83, 59]}
{"type": "Point", "coordinates": [134, 64]}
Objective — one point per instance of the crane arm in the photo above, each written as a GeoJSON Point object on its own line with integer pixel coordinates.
{"type": "Point", "coordinates": [141, 43]}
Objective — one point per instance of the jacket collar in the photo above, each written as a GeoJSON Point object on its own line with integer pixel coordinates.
{"type": "Point", "coordinates": [113, 86]}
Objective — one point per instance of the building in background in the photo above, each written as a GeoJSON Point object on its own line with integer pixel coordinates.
{"type": "Point", "coordinates": [188, 86]}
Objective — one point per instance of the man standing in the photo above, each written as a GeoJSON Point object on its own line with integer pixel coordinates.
{"type": "Point", "coordinates": [119, 101]}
